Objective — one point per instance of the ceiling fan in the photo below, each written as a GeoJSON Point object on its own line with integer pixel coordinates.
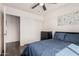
{"type": "Point", "coordinates": [42, 5]}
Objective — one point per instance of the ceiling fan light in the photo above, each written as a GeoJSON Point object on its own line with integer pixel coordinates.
{"type": "Point", "coordinates": [41, 4]}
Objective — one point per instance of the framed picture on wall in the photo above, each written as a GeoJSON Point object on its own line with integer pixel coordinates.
{"type": "Point", "coordinates": [69, 19]}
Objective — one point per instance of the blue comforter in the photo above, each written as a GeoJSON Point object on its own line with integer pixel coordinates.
{"type": "Point", "coordinates": [45, 48]}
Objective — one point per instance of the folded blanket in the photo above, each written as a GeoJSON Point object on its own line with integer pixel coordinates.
{"type": "Point", "coordinates": [70, 50]}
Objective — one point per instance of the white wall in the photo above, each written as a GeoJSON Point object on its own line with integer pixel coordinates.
{"type": "Point", "coordinates": [50, 23]}
{"type": "Point", "coordinates": [30, 25]}
{"type": "Point", "coordinates": [30, 30]}
{"type": "Point", "coordinates": [13, 28]}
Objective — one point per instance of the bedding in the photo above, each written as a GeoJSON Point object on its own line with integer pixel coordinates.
{"type": "Point", "coordinates": [45, 48]}
{"type": "Point", "coordinates": [52, 46]}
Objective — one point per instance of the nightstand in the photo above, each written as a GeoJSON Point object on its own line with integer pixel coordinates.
{"type": "Point", "coordinates": [45, 35]}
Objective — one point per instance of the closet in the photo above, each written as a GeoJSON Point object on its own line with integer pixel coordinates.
{"type": "Point", "coordinates": [13, 35]}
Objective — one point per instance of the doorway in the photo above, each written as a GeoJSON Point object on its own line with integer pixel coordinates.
{"type": "Point", "coordinates": [13, 35]}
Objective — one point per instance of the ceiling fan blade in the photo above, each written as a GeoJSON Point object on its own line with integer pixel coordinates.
{"type": "Point", "coordinates": [35, 5]}
{"type": "Point", "coordinates": [44, 7]}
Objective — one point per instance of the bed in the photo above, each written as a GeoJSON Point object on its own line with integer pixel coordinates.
{"type": "Point", "coordinates": [53, 46]}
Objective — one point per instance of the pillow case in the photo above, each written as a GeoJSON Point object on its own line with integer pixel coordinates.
{"type": "Point", "coordinates": [70, 37]}
{"type": "Point", "coordinates": [59, 35]}
{"type": "Point", "coordinates": [67, 36]}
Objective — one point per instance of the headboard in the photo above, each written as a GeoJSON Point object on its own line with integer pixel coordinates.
{"type": "Point", "coordinates": [67, 36]}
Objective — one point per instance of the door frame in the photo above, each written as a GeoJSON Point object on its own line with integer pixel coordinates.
{"type": "Point", "coordinates": [5, 27]}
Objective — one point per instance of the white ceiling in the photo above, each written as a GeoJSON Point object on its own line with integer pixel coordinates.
{"type": "Point", "coordinates": [38, 10]}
